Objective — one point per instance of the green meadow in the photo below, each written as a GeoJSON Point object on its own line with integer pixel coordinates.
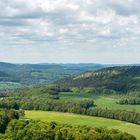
{"type": "Point", "coordinates": [74, 119]}
{"type": "Point", "coordinates": [100, 101]}
{"type": "Point", "coordinates": [9, 85]}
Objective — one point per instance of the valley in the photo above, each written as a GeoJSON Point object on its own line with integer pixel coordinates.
{"type": "Point", "coordinates": [103, 98]}
{"type": "Point", "coordinates": [69, 70]}
{"type": "Point", "coordinates": [35, 74]}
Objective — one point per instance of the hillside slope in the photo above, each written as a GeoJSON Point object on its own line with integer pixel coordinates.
{"type": "Point", "coordinates": [123, 79]}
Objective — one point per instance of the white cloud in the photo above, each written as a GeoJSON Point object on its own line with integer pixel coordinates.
{"type": "Point", "coordinates": [102, 25]}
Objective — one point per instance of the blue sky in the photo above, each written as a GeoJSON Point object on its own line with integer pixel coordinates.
{"type": "Point", "coordinates": [70, 31]}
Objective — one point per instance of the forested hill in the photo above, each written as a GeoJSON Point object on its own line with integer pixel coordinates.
{"type": "Point", "coordinates": [32, 74]}
{"type": "Point", "coordinates": [123, 79]}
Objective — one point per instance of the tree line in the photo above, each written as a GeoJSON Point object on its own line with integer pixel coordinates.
{"type": "Point", "coordinates": [123, 115]}
{"type": "Point", "coordinates": [37, 130]}
{"type": "Point", "coordinates": [130, 101]}
{"type": "Point", "coordinates": [6, 116]}
{"type": "Point", "coordinates": [44, 98]}
{"type": "Point", "coordinates": [86, 107]}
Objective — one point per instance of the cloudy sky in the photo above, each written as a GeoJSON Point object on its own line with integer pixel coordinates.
{"type": "Point", "coordinates": [70, 31]}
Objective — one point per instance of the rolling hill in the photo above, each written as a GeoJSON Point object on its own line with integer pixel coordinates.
{"type": "Point", "coordinates": [34, 74]}
{"type": "Point", "coordinates": [121, 79]}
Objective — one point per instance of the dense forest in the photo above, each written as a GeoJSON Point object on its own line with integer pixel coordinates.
{"type": "Point", "coordinates": [37, 130]}
{"type": "Point", "coordinates": [6, 116]}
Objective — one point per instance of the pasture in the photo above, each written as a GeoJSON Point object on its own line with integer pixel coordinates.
{"type": "Point", "coordinates": [74, 119]}
{"type": "Point", "coordinates": [101, 101]}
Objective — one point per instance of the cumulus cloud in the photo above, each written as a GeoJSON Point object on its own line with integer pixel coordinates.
{"type": "Point", "coordinates": [104, 26]}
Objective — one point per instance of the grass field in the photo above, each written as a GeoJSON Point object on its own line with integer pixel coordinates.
{"type": "Point", "coordinates": [100, 101]}
{"type": "Point", "coordinates": [74, 119]}
{"type": "Point", "coordinates": [9, 85]}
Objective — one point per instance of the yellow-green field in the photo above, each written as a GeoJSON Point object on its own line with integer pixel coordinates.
{"type": "Point", "coordinates": [100, 101]}
{"type": "Point", "coordinates": [74, 119]}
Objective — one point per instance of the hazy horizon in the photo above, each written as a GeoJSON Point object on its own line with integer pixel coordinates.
{"type": "Point", "coordinates": [71, 63]}
{"type": "Point", "coordinates": [76, 31]}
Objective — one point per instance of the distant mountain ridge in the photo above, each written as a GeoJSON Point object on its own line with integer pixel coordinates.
{"type": "Point", "coordinates": [7, 65]}
{"type": "Point", "coordinates": [32, 74]}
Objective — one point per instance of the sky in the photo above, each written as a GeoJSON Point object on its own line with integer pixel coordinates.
{"type": "Point", "coordinates": [70, 31]}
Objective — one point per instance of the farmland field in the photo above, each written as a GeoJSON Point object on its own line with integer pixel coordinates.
{"type": "Point", "coordinates": [74, 119]}
{"type": "Point", "coordinates": [100, 101]}
{"type": "Point", "coordinates": [9, 85]}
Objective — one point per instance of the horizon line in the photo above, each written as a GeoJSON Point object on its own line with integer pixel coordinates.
{"type": "Point", "coordinates": [64, 63]}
